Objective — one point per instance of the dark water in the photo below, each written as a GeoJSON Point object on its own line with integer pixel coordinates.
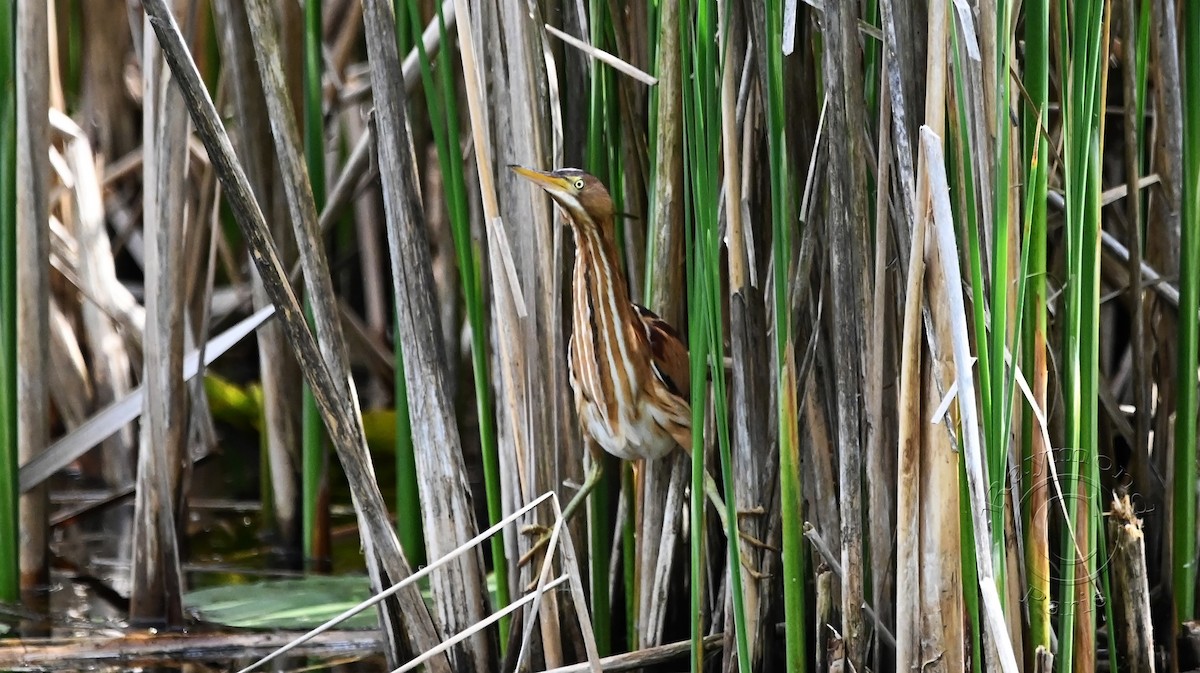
{"type": "Point", "coordinates": [225, 543]}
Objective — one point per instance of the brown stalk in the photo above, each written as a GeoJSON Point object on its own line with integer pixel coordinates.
{"type": "Point", "coordinates": [102, 333]}
{"type": "Point", "coordinates": [753, 460]}
{"type": "Point", "coordinates": [157, 593]}
{"type": "Point", "coordinates": [527, 322]}
{"type": "Point", "coordinates": [339, 415]}
{"type": "Point", "coordinates": [662, 481]}
{"type": "Point", "coordinates": [881, 459]}
{"type": "Point", "coordinates": [441, 475]}
{"type": "Point", "coordinates": [842, 67]}
{"type": "Point", "coordinates": [1132, 629]}
{"type": "Point", "coordinates": [70, 386]}
{"type": "Point", "coordinates": [32, 242]}
{"type": "Point", "coordinates": [1162, 253]}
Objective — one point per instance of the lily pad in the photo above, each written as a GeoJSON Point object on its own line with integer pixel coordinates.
{"type": "Point", "coordinates": [303, 603]}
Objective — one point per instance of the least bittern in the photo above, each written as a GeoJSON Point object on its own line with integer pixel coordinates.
{"type": "Point", "coordinates": [629, 369]}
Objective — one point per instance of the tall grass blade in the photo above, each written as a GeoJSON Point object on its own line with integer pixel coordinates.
{"type": "Point", "coordinates": [312, 441]}
{"type": "Point", "coordinates": [9, 572]}
{"type": "Point", "coordinates": [1081, 44]}
{"type": "Point", "coordinates": [784, 362]}
{"type": "Point", "coordinates": [1183, 549]}
{"type": "Point", "coordinates": [1036, 453]}
{"type": "Point", "coordinates": [693, 140]}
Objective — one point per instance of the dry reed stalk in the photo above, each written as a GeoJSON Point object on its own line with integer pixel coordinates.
{"type": "Point", "coordinates": [106, 43]}
{"type": "Point", "coordinates": [111, 370]}
{"type": "Point", "coordinates": [370, 227]}
{"type": "Point", "coordinates": [338, 411]}
{"type": "Point", "coordinates": [603, 56]}
{"type": "Point", "coordinates": [441, 475]}
{"type": "Point", "coordinates": [911, 419]}
{"type": "Point", "coordinates": [1133, 633]}
{"type": "Point", "coordinates": [753, 463]}
{"type": "Point", "coordinates": [827, 559]}
{"type": "Point", "coordinates": [99, 649]}
{"type": "Point", "coordinates": [1163, 243]}
{"type": "Point", "coordinates": [969, 424]}
{"type": "Point", "coordinates": [925, 465]}
{"type": "Point", "coordinates": [881, 461]}
{"type": "Point", "coordinates": [526, 327]}
{"type": "Point", "coordinates": [842, 68]}
{"type": "Point", "coordinates": [826, 617]}
{"type": "Point", "coordinates": [658, 526]}
{"type": "Point", "coordinates": [1138, 341]}
{"type": "Point", "coordinates": [941, 631]}
{"type": "Point", "coordinates": [32, 244]}
{"type": "Point", "coordinates": [70, 387]}
{"type": "Point", "coordinates": [157, 593]}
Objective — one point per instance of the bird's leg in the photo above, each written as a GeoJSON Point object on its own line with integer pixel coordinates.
{"type": "Point", "coordinates": [714, 496]}
{"type": "Point", "coordinates": [589, 484]}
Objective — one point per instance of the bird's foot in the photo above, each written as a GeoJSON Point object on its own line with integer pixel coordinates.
{"type": "Point", "coordinates": [757, 510]}
{"type": "Point", "coordinates": [756, 575]}
{"type": "Point", "coordinates": [756, 543]}
{"type": "Point", "coordinates": [542, 535]}
{"type": "Point", "coordinates": [750, 540]}
{"type": "Point", "coordinates": [744, 555]}
{"type": "Point", "coordinates": [753, 512]}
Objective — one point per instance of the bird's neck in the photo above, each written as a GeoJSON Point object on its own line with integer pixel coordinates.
{"type": "Point", "coordinates": [598, 268]}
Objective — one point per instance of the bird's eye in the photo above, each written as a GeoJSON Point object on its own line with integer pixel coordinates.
{"type": "Point", "coordinates": [579, 184]}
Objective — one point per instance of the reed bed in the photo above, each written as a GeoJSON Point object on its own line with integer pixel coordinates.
{"type": "Point", "coordinates": [937, 266]}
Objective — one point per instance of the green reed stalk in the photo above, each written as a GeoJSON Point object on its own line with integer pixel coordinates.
{"type": "Point", "coordinates": [702, 114]}
{"type": "Point", "coordinates": [783, 188]}
{"type": "Point", "coordinates": [872, 68]}
{"type": "Point", "coordinates": [962, 171]}
{"type": "Point", "coordinates": [1081, 40]}
{"type": "Point", "coordinates": [697, 345]}
{"type": "Point", "coordinates": [695, 188]}
{"type": "Point", "coordinates": [1183, 550]}
{"type": "Point", "coordinates": [970, 565]}
{"type": "Point", "coordinates": [312, 443]}
{"type": "Point", "coordinates": [1036, 80]}
{"type": "Point", "coordinates": [9, 572]}
{"type": "Point", "coordinates": [996, 423]}
{"type": "Point", "coordinates": [716, 60]}
{"type": "Point", "coordinates": [1143, 64]}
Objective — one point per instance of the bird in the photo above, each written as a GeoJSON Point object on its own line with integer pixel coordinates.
{"type": "Point", "coordinates": [628, 368]}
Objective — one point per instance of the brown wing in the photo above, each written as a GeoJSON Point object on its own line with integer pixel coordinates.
{"type": "Point", "coordinates": [669, 355]}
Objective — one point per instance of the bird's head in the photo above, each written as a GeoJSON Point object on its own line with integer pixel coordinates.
{"type": "Point", "coordinates": [583, 196]}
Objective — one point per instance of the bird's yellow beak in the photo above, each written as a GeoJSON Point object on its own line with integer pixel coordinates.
{"type": "Point", "coordinates": [547, 181]}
